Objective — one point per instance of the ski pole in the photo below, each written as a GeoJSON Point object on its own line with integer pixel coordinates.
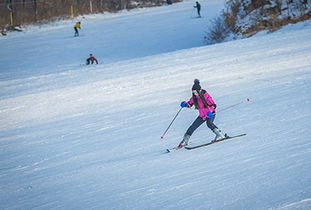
{"type": "Point", "coordinates": [171, 123]}
{"type": "Point", "coordinates": [231, 106]}
{"type": "Point", "coordinates": [192, 13]}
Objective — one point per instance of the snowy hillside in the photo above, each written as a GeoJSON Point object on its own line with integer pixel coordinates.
{"type": "Point", "coordinates": [88, 137]}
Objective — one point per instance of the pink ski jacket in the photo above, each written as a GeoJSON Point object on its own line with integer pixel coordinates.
{"type": "Point", "coordinates": [202, 110]}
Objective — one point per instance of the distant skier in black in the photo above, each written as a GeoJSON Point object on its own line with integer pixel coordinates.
{"type": "Point", "coordinates": [91, 60]}
{"type": "Point", "coordinates": [198, 6]}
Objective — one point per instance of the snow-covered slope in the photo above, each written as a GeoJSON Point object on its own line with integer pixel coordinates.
{"type": "Point", "coordinates": [88, 137]}
{"type": "Point", "coordinates": [111, 38]}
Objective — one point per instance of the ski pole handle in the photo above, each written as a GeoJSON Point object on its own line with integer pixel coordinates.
{"type": "Point", "coordinates": [171, 123]}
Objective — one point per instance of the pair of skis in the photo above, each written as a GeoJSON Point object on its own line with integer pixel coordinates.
{"type": "Point", "coordinates": [206, 144]}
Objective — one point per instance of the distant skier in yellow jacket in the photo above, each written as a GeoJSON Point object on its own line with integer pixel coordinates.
{"type": "Point", "coordinates": [76, 27]}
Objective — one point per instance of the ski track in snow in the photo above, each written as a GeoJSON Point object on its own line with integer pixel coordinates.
{"type": "Point", "coordinates": [88, 137]}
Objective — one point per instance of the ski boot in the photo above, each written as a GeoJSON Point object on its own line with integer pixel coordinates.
{"type": "Point", "coordinates": [184, 142]}
{"type": "Point", "coordinates": [218, 134]}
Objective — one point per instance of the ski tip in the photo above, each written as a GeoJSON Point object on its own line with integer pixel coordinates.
{"type": "Point", "coordinates": [234, 136]}
{"type": "Point", "coordinates": [170, 150]}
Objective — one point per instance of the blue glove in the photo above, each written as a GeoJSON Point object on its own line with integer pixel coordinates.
{"type": "Point", "coordinates": [209, 114]}
{"type": "Point", "coordinates": [183, 104]}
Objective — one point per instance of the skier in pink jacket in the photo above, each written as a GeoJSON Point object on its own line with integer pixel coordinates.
{"type": "Point", "coordinates": [206, 106]}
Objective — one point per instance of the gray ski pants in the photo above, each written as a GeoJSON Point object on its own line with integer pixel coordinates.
{"type": "Point", "coordinates": [199, 121]}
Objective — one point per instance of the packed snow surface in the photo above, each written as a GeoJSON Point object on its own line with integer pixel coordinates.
{"type": "Point", "coordinates": [88, 137]}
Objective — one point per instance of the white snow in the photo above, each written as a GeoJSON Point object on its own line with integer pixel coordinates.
{"type": "Point", "coordinates": [88, 137]}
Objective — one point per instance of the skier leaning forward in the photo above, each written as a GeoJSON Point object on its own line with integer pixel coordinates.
{"type": "Point", "coordinates": [206, 106]}
{"type": "Point", "coordinates": [76, 27]}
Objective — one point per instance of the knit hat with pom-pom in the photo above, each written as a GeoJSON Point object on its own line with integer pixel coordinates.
{"type": "Point", "coordinates": [196, 85]}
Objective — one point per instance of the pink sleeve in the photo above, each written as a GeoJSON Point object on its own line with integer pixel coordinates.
{"type": "Point", "coordinates": [190, 102]}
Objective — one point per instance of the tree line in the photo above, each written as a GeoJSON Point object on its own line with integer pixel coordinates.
{"type": "Point", "coordinates": [22, 12]}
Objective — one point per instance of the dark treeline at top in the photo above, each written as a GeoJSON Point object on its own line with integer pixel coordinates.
{"type": "Point", "coordinates": [21, 12]}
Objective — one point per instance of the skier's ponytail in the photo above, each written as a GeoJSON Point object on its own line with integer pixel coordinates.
{"type": "Point", "coordinates": [195, 100]}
